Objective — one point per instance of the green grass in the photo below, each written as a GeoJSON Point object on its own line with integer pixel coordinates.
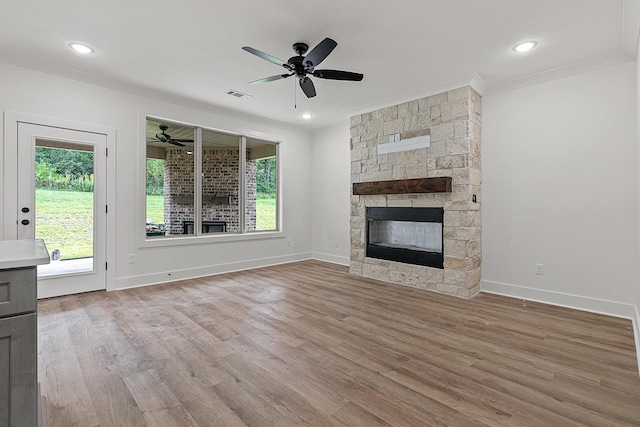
{"type": "Point", "coordinates": [265, 212]}
{"type": "Point", "coordinates": [64, 219]}
{"type": "Point", "coordinates": [155, 209]}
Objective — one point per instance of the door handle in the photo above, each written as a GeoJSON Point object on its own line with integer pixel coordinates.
{"type": "Point", "coordinates": [25, 209]}
{"type": "Point", "coordinates": [25, 222]}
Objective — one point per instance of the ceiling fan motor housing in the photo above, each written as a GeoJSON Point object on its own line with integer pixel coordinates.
{"type": "Point", "coordinates": [300, 48]}
{"type": "Point", "coordinates": [297, 66]}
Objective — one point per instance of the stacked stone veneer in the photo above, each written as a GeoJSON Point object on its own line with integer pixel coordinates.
{"type": "Point", "coordinates": [220, 177]}
{"type": "Point", "coordinates": [453, 120]}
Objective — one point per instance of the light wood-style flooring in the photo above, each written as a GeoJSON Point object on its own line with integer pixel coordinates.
{"type": "Point", "coordinates": [307, 344]}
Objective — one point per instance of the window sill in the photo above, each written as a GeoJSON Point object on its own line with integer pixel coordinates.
{"type": "Point", "coordinates": [208, 239]}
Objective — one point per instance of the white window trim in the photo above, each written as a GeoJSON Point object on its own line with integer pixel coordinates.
{"type": "Point", "coordinates": [198, 238]}
{"type": "Point", "coordinates": [242, 180]}
{"type": "Point", "coordinates": [205, 239]}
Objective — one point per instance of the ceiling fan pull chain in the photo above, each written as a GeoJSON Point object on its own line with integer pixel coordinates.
{"type": "Point", "coordinates": [295, 96]}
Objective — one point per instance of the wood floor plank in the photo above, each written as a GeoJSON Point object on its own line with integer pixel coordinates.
{"type": "Point", "coordinates": [324, 399]}
{"type": "Point", "coordinates": [68, 400]}
{"type": "Point", "coordinates": [201, 401]}
{"type": "Point", "coordinates": [307, 343]}
{"type": "Point", "coordinates": [157, 401]}
{"type": "Point", "coordinates": [112, 401]}
{"type": "Point", "coordinates": [291, 406]}
{"type": "Point", "coordinates": [353, 415]}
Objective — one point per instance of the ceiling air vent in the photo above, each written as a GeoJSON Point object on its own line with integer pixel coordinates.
{"type": "Point", "coordinates": [238, 94]}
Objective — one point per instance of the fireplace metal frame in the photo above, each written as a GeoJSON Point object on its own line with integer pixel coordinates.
{"type": "Point", "coordinates": [409, 256]}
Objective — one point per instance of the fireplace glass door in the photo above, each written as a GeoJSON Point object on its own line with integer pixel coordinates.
{"type": "Point", "coordinates": [417, 236]}
{"type": "Point", "coordinates": [408, 235]}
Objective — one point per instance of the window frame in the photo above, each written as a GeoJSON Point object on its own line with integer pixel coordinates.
{"type": "Point", "coordinates": [198, 237]}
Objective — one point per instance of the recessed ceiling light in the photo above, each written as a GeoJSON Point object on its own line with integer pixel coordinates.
{"type": "Point", "coordinates": [306, 116]}
{"type": "Point", "coordinates": [525, 46]}
{"type": "Point", "coordinates": [80, 48]}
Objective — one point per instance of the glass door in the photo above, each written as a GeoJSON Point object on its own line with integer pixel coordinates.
{"type": "Point", "coordinates": [62, 200]}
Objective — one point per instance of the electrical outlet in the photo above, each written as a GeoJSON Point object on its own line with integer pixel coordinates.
{"type": "Point", "coordinates": [288, 243]}
{"type": "Point", "coordinates": [335, 243]}
{"type": "Point", "coordinates": [132, 258]}
{"type": "Point", "coordinates": [539, 269]}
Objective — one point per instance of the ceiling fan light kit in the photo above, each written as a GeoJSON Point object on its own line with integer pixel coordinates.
{"type": "Point", "coordinates": [302, 66]}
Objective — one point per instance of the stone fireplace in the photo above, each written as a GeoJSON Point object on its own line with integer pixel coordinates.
{"type": "Point", "coordinates": [445, 175]}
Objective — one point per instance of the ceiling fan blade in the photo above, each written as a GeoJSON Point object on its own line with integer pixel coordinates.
{"type": "Point", "coordinates": [338, 75]}
{"type": "Point", "coordinates": [268, 57]}
{"type": "Point", "coordinates": [161, 137]}
{"type": "Point", "coordinates": [171, 141]}
{"type": "Point", "coordinates": [181, 140]}
{"type": "Point", "coordinates": [319, 53]}
{"type": "Point", "coordinates": [270, 79]}
{"type": "Point", "coordinates": [307, 87]}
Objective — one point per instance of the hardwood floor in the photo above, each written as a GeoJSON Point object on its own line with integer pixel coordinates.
{"type": "Point", "coordinates": [308, 344]}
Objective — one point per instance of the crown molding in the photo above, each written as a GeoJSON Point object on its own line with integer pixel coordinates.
{"type": "Point", "coordinates": [473, 80]}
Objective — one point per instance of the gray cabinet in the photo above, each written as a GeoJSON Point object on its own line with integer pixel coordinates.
{"type": "Point", "coordinates": [18, 348]}
{"type": "Point", "coordinates": [17, 291]}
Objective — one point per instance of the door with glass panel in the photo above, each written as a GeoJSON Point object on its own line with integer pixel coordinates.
{"type": "Point", "coordinates": [62, 200]}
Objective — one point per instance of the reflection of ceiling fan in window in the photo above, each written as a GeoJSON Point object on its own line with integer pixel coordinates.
{"type": "Point", "coordinates": [165, 137]}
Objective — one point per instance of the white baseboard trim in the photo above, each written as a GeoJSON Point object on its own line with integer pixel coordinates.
{"type": "Point", "coordinates": [610, 308]}
{"type": "Point", "coordinates": [636, 335]}
{"type": "Point", "coordinates": [342, 260]}
{"type": "Point", "coordinates": [192, 273]}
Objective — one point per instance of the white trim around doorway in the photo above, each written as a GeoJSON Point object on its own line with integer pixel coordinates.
{"type": "Point", "coordinates": [9, 162]}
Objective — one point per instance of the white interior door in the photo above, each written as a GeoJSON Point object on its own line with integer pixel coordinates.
{"type": "Point", "coordinates": [68, 209]}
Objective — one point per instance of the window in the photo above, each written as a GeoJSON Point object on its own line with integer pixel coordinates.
{"type": "Point", "coordinates": [220, 183]}
{"type": "Point", "coordinates": [169, 179]}
{"type": "Point", "coordinates": [205, 182]}
{"type": "Point", "coordinates": [64, 178]}
{"type": "Point", "coordinates": [261, 185]}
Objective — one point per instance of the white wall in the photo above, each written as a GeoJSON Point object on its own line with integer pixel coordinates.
{"type": "Point", "coordinates": [637, 299]}
{"type": "Point", "coordinates": [560, 188]}
{"type": "Point", "coordinates": [31, 92]}
{"type": "Point", "coordinates": [330, 188]}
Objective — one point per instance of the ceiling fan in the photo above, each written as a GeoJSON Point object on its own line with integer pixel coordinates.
{"type": "Point", "coordinates": [165, 137]}
{"type": "Point", "coordinates": [300, 66]}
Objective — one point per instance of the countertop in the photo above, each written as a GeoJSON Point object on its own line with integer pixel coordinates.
{"type": "Point", "coordinates": [23, 253]}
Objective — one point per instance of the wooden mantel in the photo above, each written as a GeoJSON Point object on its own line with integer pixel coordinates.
{"type": "Point", "coordinates": [440, 184]}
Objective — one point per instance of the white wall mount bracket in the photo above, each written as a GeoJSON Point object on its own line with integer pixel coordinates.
{"type": "Point", "coordinates": [396, 144]}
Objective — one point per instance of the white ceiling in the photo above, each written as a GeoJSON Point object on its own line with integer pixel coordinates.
{"type": "Point", "coordinates": [190, 51]}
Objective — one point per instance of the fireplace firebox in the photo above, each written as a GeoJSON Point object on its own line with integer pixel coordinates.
{"type": "Point", "coordinates": [409, 235]}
